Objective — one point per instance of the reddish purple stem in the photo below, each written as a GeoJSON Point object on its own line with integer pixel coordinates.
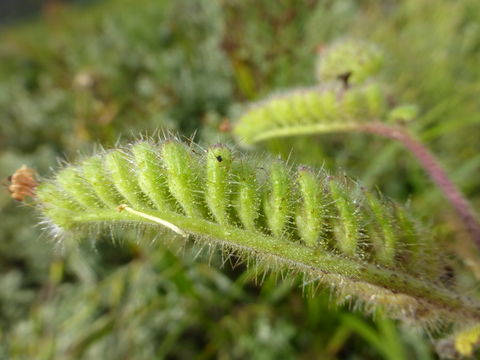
{"type": "Point", "coordinates": [434, 169]}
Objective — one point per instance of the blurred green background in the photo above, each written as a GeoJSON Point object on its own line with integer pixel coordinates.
{"type": "Point", "coordinates": [76, 75]}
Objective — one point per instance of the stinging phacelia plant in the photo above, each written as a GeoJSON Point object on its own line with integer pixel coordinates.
{"type": "Point", "coordinates": [306, 111]}
{"type": "Point", "coordinates": [348, 99]}
{"type": "Point", "coordinates": [327, 228]}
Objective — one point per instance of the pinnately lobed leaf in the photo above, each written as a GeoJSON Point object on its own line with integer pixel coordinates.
{"type": "Point", "coordinates": [347, 98]}
{"type": "Point", "coordinates": [352, 100]}
{"type": "Point", "coordinates": [327, 228]}
{"type": "Point", "coordinates": [314, 110]}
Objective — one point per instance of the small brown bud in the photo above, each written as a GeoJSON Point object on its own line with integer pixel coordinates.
{"type": "Point", "coordinates": [22, 183]}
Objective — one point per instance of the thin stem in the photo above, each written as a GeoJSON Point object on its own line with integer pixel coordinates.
{"type": "Point", "coordinates": [432, 166]}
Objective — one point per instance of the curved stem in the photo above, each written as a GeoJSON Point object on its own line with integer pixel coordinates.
{"type": "Point", "coordinates": [432, 166]}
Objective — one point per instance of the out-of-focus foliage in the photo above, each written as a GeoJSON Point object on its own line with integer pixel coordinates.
{"type": "Point", "coordinates": [76, 77]}
{"type": "Point", "coordinates": [70, 82]}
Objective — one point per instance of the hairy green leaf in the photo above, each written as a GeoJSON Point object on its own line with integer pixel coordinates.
{"type": "Point", "coordinates": [325, 227]}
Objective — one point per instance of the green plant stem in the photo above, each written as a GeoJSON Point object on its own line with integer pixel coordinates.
{"type": "Point", "coordinates": [314, 262]}
{"type": "Point", "coordinates": [428, 161]}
